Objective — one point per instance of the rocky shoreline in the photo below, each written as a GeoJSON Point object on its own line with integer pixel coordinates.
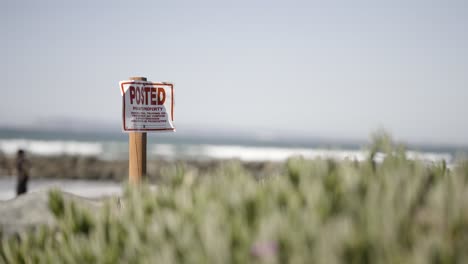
{"type": "Point", "coordinates": [93, 168]}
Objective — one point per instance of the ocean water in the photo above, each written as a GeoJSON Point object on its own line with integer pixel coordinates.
{"type": "Point", "coordinates": [114, 146]}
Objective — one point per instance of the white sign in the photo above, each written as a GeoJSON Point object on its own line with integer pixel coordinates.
{"type": "Point", "coordinates": [147, 106]}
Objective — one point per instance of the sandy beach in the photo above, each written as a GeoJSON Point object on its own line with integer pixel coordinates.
{"type": "Point", "coordinates": [84, 188]}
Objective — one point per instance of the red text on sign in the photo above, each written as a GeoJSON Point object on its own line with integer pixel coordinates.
{"type": "Point", "coordinates": [147, 95]}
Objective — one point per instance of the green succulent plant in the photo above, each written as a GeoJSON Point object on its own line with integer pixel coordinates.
{"type": "Point", "coordinates": [316, 211]}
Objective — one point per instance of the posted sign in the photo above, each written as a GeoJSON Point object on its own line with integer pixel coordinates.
{"type": "Point", "coordinates": [147, 106]}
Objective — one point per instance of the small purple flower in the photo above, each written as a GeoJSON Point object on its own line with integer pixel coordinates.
{"type": "Point", "coordinates": [265, 249]}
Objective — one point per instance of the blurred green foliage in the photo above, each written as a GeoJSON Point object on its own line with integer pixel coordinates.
{"type": "Point", "coordinates": [315, 211]}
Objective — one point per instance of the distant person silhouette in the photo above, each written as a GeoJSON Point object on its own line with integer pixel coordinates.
{"type": "Point", "coordinates": [22, 168]}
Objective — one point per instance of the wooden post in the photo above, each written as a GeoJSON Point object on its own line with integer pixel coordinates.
{"type": "Point", "coordinates": [136, 152]}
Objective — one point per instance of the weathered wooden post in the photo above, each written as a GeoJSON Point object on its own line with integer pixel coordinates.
{"type": "Point", "coordinates": [136, 151]}
{"type": "Point", "coordinates": [146, 107]}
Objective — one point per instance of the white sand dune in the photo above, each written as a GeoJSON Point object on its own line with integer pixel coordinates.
{"type": "Point", "coordinates": [31, 210]}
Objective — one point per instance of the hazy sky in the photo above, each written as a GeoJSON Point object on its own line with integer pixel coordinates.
{"type": "Point", "coordinates": [340, 69]}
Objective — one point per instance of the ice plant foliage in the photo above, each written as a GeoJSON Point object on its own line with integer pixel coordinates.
{"type": "Point", "coordinates": [315, 211]}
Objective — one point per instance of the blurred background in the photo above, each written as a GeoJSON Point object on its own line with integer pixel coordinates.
{"type": "Point", "coordinates": [345, 83]}
{"type": "Point", "coordinates": [254, 80]}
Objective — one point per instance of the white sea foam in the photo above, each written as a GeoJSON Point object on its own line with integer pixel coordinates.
{"type": "Point", "coordinates": [246, 153]}
{"type": "Point", "coordinates": [50, 147]}
{"type": "Point", "coordinates": [119, 150]}
{"type": "Point", "coordinates": [276, 154]}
